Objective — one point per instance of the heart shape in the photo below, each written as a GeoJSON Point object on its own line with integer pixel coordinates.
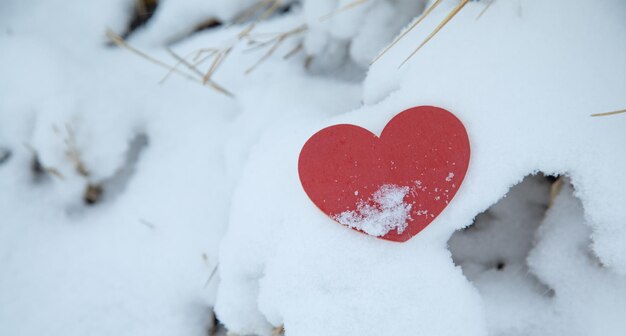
{"type": "Point", "coordinates": [391, 186]}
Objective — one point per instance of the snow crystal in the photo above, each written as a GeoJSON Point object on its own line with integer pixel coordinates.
{"type": "Point", "coordinates": [450, 176]}
{"type": "Point", "coordinates": [388, 212]}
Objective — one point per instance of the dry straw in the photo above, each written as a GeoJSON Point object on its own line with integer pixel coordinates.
{"type": "Point", "coordinates": [342, 9]}
{"type": "Point", "coordinates": [426, 13]}
{"type": "Point", "coordinates": [256, 13]}
{"type": "Point", "coordinates": [119, 41]}
{"type": "Point", "coordinates": [608, 113]}
{"type": "Point", "coordinates": [275, 42]}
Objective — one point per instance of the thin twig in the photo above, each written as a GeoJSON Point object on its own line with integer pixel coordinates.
{"type": "Point", "coordinates": [608, 113]}
{"type": "Point", "coordinates": [342, 9]}
{"type": "Point", "coordinates": [443, 23]}
{"type": "Point", "coordinates": [397, 39]}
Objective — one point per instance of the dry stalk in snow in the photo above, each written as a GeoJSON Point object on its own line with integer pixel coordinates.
{"type": "Point", "coordinates": [262, 10]}
{"type": "Point", "coordinates": [343, 8]}
{"type": "Point", "coordinates": [442, 24]}
{"type": "Point", "coordinates": [275, 42]}
{"type": "Point", "coordinates": [489, 3]}
{"type": "Point", "coordinates": [72, 152]}
{"type": "Point", "coordinates": [278, 331]}
{"type": "Point", "coordinates": [427, 12]}
{"type": "Point", "coordinates": [609, 113]}
{"type": "Point", "coordinates": [143, 5]}
{"type": "Point", "coordinates": [555, 188]}
{"type": "Point", "coordinates": [273, 6]}
{"type": "Point", "coordinates": [38, 167]}
{"type": "Point", "coordinates": [119, 41]}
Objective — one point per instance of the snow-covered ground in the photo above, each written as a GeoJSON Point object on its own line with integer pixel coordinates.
{"type": "Point", "coordinates": [135, 201]}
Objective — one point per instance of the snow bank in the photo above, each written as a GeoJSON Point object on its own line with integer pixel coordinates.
{"type": "Point", "coordinates": [186, 170]}
{"type": "Point", "coordinates": [536, 117]}
{"type": "Point", "coordinates": [493, 252]}
{"type": "Point", "coordinates": [302, 269]}
{"type": "Point", "coordinates": [354, 30]}
{"type": "Point", "coordinates": [174, 19]}
{"type": "Point", "coordinates": [524, 81]}
{"type": "Point", "coordinates": [588, 296]}
{"type": "Point", "coordinates": [167, 157]}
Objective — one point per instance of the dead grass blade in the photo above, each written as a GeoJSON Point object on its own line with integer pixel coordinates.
{"type": "Point", "coordinates": [36, 163]}
{"type": "Point", "coordinates": [279, 331]}
{"type": "Point", "coordinates": [143, 5]}
{"type": "Point", "coordinates": [276, 42]}
{"type": "Point", "coordinates": [294, 51]}
{"type": "Point", "coordinates": [249, 12]}
{"type": "Point", "coordinates": [485, 9]}
{"type": "Point", "coordinates": [119, 41]}
{"type": "Point", "coordinates": [195, 70]}
{"type": "Point", "coordinates": [397, 39]}
{"type": "Point", "coordinates": [608, 113]}
{"type": "Point", "coordinates": [73, 153]}
{"type": "Point", "coordinates": [217, 61]}
{"type": "Point", "coordinates": [213, 272]}
{"type": "Point", "coordinates": [342, 9]}
{"type": "Point", "coordinates": [443, 23]}
{"type": "Point", "coordinates": [209, 51]}
{"type": "Point", "coordinates": [272, 8]}
{"type": "Point", "coordinates": [555, 187]}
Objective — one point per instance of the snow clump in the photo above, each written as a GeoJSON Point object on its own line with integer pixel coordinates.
{"type": "Point", "coordinates": [387, 211]}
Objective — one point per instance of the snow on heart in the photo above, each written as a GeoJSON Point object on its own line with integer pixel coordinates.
{"type": "Point", "coordinates": [384, 212]}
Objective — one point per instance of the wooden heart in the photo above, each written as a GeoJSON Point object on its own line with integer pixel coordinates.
{"type": "Point", "coordinates": [391, 186]}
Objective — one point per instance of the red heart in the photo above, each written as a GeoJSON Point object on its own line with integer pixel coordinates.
{"type": "Point", "coordinates": [391, 187]}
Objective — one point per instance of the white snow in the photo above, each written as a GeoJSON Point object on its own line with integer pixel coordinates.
{"type": "Point", "coordinates": [384, 212]}
{"type": "Point", "coordinates": [195, 181]}
{"type": "Point", "coordinates": [356, 35]}
{"type": "Point", "coordinates": [588, 295]}
{"type": "Point", "coordinates": [524, 84]}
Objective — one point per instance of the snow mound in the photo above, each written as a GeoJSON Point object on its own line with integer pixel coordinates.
{"type": "Point", "coordinates": [588, 297]}
{"type": "Point", "coordinates": [386, 211]}
{"type": "Point", "coordinates": [341, 30]}
{"type": "Point", "coordinates": [216, 183]}
{"type": "Point", "coordinates": [524, 82]}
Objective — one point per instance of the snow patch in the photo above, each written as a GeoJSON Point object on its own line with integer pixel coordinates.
{"type": "Point", "coordinates": [385, 212]}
